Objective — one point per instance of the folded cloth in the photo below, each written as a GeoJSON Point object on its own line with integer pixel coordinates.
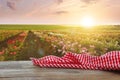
{"type": "Point", "coordinates": [108, 61]}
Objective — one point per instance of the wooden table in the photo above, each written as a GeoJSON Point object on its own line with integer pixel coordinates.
{"type": "Point", "coordinates": [24, 70]}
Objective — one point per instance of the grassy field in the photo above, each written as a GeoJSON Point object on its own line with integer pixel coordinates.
{"type": "Point", "coordinates": [19, 42]}
{"type": "Point", "coordinates": [57, 27]}
{"type": "Point", "coordinates": [32, 27]}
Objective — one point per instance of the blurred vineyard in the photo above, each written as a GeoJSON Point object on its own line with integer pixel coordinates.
{"type": "Point", "coordinates": [21, 45]}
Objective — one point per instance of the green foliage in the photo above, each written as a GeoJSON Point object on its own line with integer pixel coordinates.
{"type": "Point", "coordinates": [56, 40]}
{"type": "Point", "coordinates": [96, 43]}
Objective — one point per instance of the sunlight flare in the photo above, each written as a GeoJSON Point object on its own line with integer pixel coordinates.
{"type": "Point", "coordinates": [87, 22]}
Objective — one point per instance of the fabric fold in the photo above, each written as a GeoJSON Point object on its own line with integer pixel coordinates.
{"type": "Point", "coordinates": [108, 61]}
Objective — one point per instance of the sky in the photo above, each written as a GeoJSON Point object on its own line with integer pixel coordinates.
{"type": "Point", "coordinates": [59, 11]}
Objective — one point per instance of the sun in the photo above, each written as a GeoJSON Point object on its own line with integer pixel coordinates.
{"type": "Point", "coordinates": [87, 22]}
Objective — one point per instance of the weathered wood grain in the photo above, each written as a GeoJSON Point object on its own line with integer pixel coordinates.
{"type": "Point", "coordinates": [24, 70]}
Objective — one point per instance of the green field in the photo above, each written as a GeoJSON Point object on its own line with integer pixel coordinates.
{"type": "Point", "coordinates": [57, 27]}
{"type": "Point", "coordinates": [19, 42]}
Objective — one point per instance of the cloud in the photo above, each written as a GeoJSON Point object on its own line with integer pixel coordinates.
{"type": "Point", "coordinates": [11, 5]}
{"type": "Point", "coordinates": [61, 12]}
{"type": "Point", "coordinates": [59, 9]}
{"type": "Point", "coordinates": [89, 1]}
{"type": "Point", "coordinates": [59, 1]}
{"type": "Point", "coordinates": [33, 12]}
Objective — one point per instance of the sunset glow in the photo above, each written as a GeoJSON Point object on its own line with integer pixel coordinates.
{"type": "Point", "coordinates": [87, 22]}
{"type": "Point", "coordinates": [59, 12]}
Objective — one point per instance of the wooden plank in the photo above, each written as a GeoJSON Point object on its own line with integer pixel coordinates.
{"type": "Point", "coordinates": [15, 64]}
{"type": "Point", "coordinates": [24, 70]}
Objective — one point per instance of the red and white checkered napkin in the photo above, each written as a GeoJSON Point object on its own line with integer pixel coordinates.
{"type": "Point", "coordinates": [108, 61]}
